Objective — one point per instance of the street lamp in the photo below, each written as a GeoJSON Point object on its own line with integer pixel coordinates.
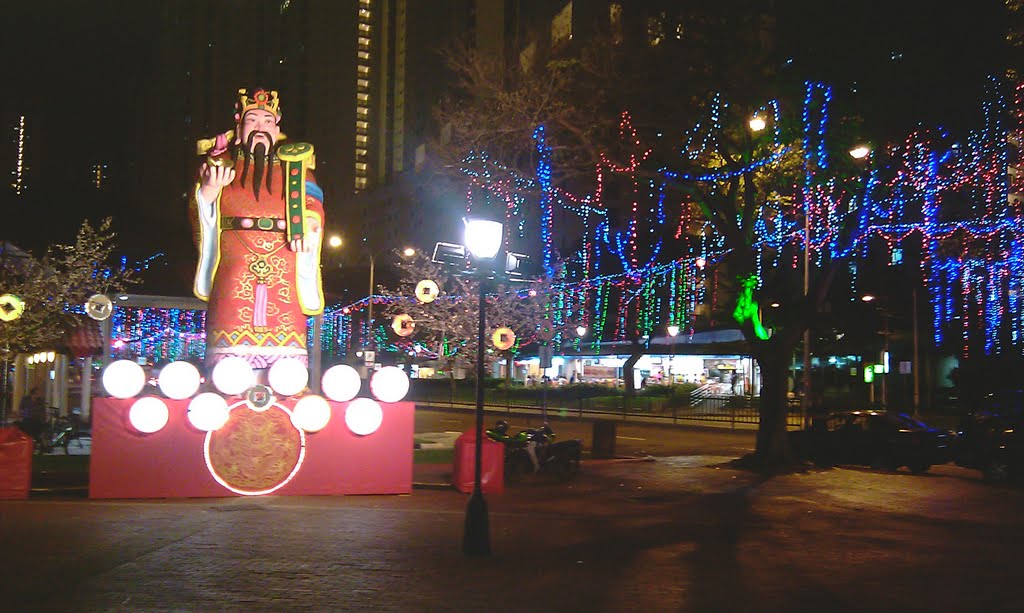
{"type": "Point", "coordinates": [483, 241]}
{"type": "Point", "coordinates": [757, 123]}
{"type": "Point", "coordinates": [860, 152]}
{"type": "Point", "coordinates": [581, 331]}
{"type": "Point", "coordinates": [408, 252]}
{"type": "Point", "coordinates": [334, 241]}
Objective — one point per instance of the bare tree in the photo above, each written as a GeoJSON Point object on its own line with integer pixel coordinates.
{"type": "Point", "coordinates": [64, 277]}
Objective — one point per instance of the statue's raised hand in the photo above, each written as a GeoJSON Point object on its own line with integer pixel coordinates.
{"type": "Point", "coordinates": [216, 177]}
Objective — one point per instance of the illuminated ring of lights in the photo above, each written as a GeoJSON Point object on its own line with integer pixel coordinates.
{"type": "Point", "coordinates": [503, 338]}
{"type": "Point", "coordinates": [11, 307]}
{"type": "Point", "coordinates": [403, 324]}
{"type": "Point", "coordinates": [284, 482]}
{"type": "Point", "coordinates": [427, 291]}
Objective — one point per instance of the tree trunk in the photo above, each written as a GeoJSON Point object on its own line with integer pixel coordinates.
{"type": "Point", "coordinates": [773, 453]}
{"type": "Point", "coordinates": [627, 370]}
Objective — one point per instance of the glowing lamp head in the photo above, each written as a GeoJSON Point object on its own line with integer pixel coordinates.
{"type": "Point", "coordinates": [208, 411]}
{"type": "Point", "coordinates": [581, 330]}
{"type": "Point", "coordinates": [483, 238]}
{"type": "Point", "coordinates": [148, 415]}
{"type": "Point", "coordinates": [408, 252]}
{"type": "Point", "coordinates": [673, 330]}
{"type": "Point", "coordinates": [334, 241]}
{"type": "Point", "coordinates": [701, 262]}
{"type": "Point", "coordinates": [389, 384]}
{"type": "Point", "coordinates": [363, 416]}
{"type": "Point", "coordinates": [860, 152]}
{"type": "Point", "coordinates": [124, 379]}
{"type": "Point", "coordinates": [178, 380]}
{"type": "Point", "coordinates": [311, 413]}
{"type": "Point", "coordinates": [867, 297]}
{"type": "Point", "coordinates": [341, 383]}
{"type": "Point", "coordinates": [288, 376]}
{"type": "Point", "coordinates": [757, 123]}
{"type": "Point", "coordinates": [233, 376]}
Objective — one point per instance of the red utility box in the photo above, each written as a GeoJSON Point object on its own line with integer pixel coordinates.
{"type": "Point", "coordinates": [15, 463]}
{"type": "Point", "coordinates": [492, 464]}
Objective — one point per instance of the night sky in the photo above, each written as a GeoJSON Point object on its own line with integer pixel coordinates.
{"type": "Point", "coordinates": [81, 72]}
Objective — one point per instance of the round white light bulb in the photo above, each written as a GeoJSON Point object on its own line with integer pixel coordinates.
{"type": "Point", "coordinates": [389, 384]}
{"type": "Point", "coordinates": [288, 376]}
{"type": "Point", "coordinates": [208, 411]}
{"type": "Point", "coordinates": [148, 415]}
{"type": "Point", "coordinates": [124, 379]}
{"type": "Point", "coordinates": [311, 413]}
{"type": "Point", "coordinates": [233, 376]}
{"type": "Point", "coordinates": [179, 380]}
{"type": "Point", "coordinates": [363, 416]}
{"type": "Point", "coordinates": [341, 383]}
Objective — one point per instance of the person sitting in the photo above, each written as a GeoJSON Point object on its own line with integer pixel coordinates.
{"type": "Point", "coordinates": [32, 411]}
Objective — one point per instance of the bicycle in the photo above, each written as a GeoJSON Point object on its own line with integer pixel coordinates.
{"type": "Point", "coordinates": [57, 431]}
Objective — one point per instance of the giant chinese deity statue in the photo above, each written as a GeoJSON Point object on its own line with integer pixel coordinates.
{"type": "Point", "coordinates": [260, 221]}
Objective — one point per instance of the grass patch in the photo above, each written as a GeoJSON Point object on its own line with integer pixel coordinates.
{"type": "Point", "coordinates": [432, 456]}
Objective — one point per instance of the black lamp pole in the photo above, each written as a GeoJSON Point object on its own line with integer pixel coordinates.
{"type": "Point", "coordinates": [477, 539]}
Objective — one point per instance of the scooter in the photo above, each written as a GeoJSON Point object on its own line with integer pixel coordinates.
{"type": "Point", "coordinates": [535, 451]}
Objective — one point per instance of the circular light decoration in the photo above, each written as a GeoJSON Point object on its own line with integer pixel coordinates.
{"type": "Point", "coordinates": [389, 384]}
{"type": "Point", "coordinates": [148, 415]}
{"type": "Point", "coordinates": [341, 383]}
{"type": "Point", "coordinates": [233, 375]}
{"type": "Point", "coordinates": [403, 324]}
{"type": "Point", "coordinates": [179, 380]}
{"type": "Point", "coordinates": [11, 307]}
{"type": "Point", "coordinates": [427, 291]}
{"type": "Point", "coordinates": [311, 413]}
{"type": "Point", "coordinates": [503, 338]}
{"type": "Point", "coordinates": [363, 416]}
{"type": "Point", "coordinates": [288, 376]}
{"type": "Point", "coordinates": [208, 411]}
{"type": "Point", "coordinates": [124, 379]}
{"type": "Point", "coordinates": [99, 307]}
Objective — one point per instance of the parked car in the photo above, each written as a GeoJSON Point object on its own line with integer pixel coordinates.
{"type": "Point", "coordinates": [991, 442]}
{"type": "Point", "coordinates": [878, 439]}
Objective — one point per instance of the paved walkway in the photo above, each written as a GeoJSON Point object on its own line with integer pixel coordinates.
{"type": "Point", "coordinates": [685, 533]}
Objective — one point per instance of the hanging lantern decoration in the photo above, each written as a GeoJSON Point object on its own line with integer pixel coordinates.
{"type": "Point", "coordinates": [403, 324]}
{"type": "Point", "coordinates": [99, 307]}
{"type": "Point", "coordinates": [503, 338]}
{"type": "Point", "coordinates": [11, 307]}
{"type": "Point", "coordinates": [427, 291]}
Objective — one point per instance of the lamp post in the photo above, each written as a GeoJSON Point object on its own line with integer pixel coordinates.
{"type": "Point", "coordinates": [673, 332]}
{"type": "Point", "coordinates": [483, 240]}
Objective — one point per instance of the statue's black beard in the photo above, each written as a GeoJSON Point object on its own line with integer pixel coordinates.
{"type": "Point", "coordinates": [261, 170]}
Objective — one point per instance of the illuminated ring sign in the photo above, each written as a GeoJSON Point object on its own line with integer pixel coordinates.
{"type": "Point", "coordinates": [298, 463]}
{"type": "Point", "coordinates": [427, 291]}
{"type": "Point", "coordinates": [11, 307]}
{"type": "Point", "coordinates": [403, 325]}
{"type": "Point", "coordinates": [503, 338]}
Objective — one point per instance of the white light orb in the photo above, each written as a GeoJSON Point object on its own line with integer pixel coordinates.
{"type": "Point", "coordinates": [148, 415]}
{"type": "Point", "coordinates": [208, 411]}
{"type": "Point", "coordinates": [124, 379]}
{"type": "Point", "coordinates": [233, 376]}
{"type": "Point", "coordinates": [179, 380]}
{"type": "Point", "coordinates": [311, 413]}
{"type": "Point", "coordinates": [389, 384]}
{"type": "Point", "coordinates": [288, 376]}
{"type": "Point", "coordinates": [483, 238]}
{"type": "Point", "coordinates": [341, 383]}
{"type": "Point", "coordinates": [363, 416]}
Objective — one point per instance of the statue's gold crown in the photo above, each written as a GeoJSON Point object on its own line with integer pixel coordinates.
{"type": "Point", "coordinates": [261, 99]}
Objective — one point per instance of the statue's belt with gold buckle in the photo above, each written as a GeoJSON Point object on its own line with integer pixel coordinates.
{"type": "Point", "coordinates": [267, 224]}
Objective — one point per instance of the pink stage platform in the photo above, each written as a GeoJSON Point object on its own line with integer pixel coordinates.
{"type": "Point", "coordinates": [173, 462]}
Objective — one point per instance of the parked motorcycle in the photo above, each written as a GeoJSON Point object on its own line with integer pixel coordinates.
{"type": "Point", "coordinates": [535, 451]}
